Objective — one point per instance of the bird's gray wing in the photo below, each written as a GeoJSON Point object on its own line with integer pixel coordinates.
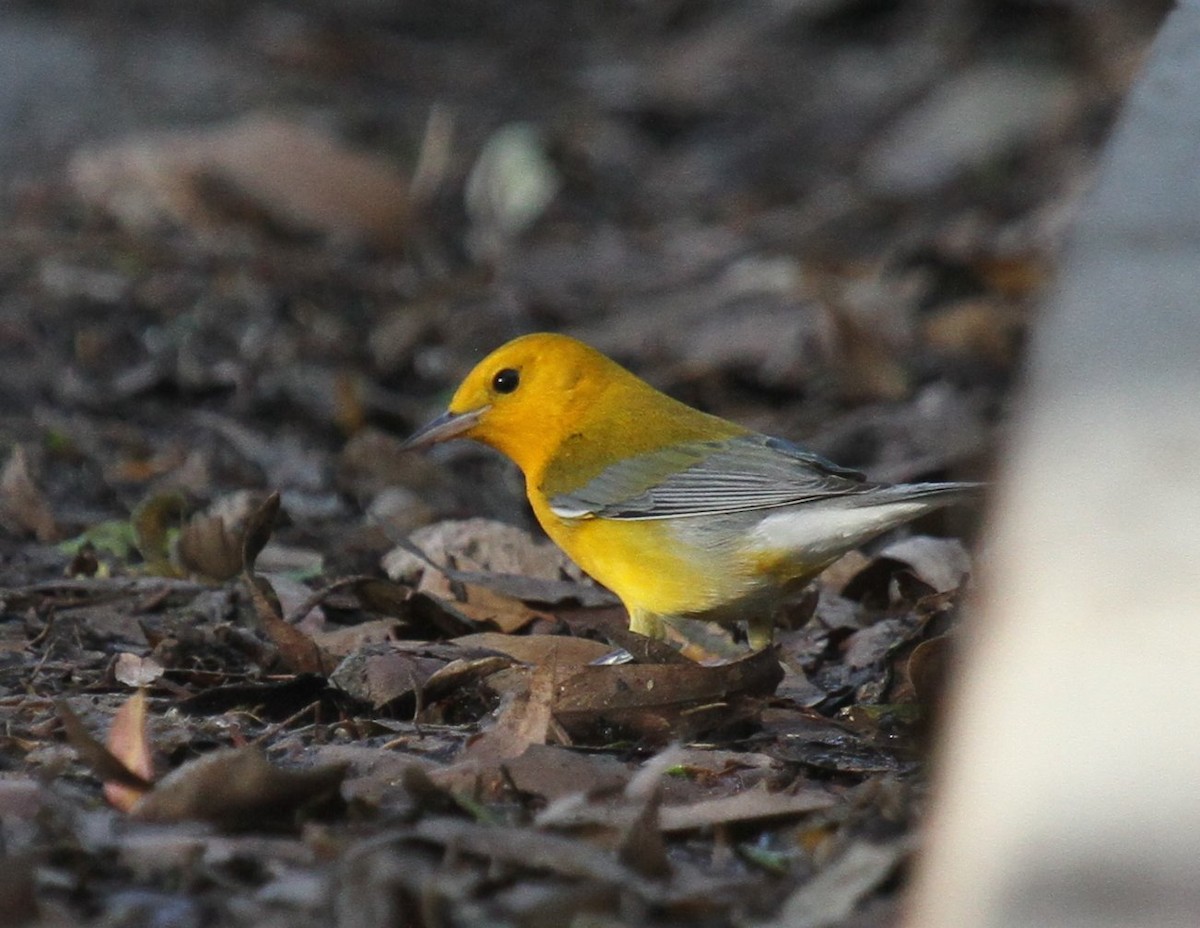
{"type": "Point", "coordinates": [709, 478]}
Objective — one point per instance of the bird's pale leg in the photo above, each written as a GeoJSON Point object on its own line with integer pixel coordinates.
{"type": "Point", "coordinates": [646, 623]}
{"type": "Point", "coordinates": [760, 630]}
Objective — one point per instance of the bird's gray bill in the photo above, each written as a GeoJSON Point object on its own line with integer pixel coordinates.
{"type": "Point", "coordinates": [446, 426]}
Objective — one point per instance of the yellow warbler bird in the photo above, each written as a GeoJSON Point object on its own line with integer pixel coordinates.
{"type": "Point", "coordinates": [680, 513]}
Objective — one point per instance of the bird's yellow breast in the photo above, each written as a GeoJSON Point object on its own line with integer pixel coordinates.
{"type": "Point", "coordinates": [648, 564]}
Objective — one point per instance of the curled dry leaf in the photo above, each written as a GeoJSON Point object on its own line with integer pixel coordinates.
{"type": "Point", "coordinates": [297, 651]}
{"type": "Point", "coordinates": [641, 846]}
{"type": "Point", "coordinates": [21, 501]}
{"type": "Point", "coordinates": [102, 762]}
{"type": "Point", "coordinates": [221, 544]}
{"type": "Point", "coordinates": [928, 670]}
{"type": "Point", "coordinates": [383, 672]}
{"type": "Point", "coordinates": [525, 847]}
{"type": "Point", "coordinates": [377, 594]}
{"type": "Point", "coordinates": [129, 742]}
{"type": "Point", "coordinates": [258, 528]}
{"type": "Point", "coordinates": [471, 668]}
{"type": "Point", "coordinates": [590, 810]}
{"type": "Point", "coordinates": [430, 616]}
{"type": "Point", "coordinates": [524, 719]}
{"type": "Point", "coordinates": [238, 789]}
{"type": "Point", "coordinates": [209, 548]}
{"type": "Point", "coordinates": [152, 521]}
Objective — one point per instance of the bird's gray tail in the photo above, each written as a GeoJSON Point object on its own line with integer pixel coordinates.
{"type": "Point", "coordinates": [936, 494]}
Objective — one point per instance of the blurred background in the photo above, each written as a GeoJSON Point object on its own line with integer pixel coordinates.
{"type": "Point", "coordinates": [246, 245]}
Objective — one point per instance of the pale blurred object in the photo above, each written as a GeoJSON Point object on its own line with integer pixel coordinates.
{"type": "Point", "coordinates": [509, 187]}
{"type": "Point", "coordinates": [1067, 788]}
{"type": "Point", "coordinates": [257, 170]}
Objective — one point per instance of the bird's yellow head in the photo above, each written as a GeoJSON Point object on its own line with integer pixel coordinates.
{"type": "Point", "coordinates": [525, 397]}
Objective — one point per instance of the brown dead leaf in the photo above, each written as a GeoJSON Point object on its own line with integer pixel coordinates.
{"type": "Point", "coordinates": [552, 771]}
{"type": "Point", "coordinates": [368, 593]}
{"type": "Point", "coordinates": [475, 666]}
{"type": "Point", "coordinates": [658, 703]}
{"type": "Point", "coordinates": [591, 810]}
{"type": "Point", "coordinates": [209, 548]}
{"type": "Point", "coordinates": [260, 168]}
{"type": "Point", "coordinates": [928, 670]}
{"type": "Point", "coordinates": [297, 651]}
{"type": "Point", "coordinates": [386, 597]}
{"type": "Point", "coordinates": [382, 673]}
{"type": "Point", "coordinates": [238, 789]}
{"type": "Point", "coordinates": [563, 650]}
{"type": "Point", "coordinates": [257, 529]}
{"type": "Point", "coordinates": [645, 650]}
{"type": "Point", "coordinates": [22, 503]}
{"type": "Point", "coordinates": [489, 607]}
{"type": "Point", "coordinates": [641, 847]}
{"type": "Point", "coordinates": [524, 718]}
{"type": "Point", "coordinates": [129, 743]}
{"type": "Point", "coordinates": [96, 756]}
{"type": "Point", "coordinates": [823, 745]}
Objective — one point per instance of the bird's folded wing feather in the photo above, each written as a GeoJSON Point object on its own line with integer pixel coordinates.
{"type": "Point", "coordinates": [708, 478]}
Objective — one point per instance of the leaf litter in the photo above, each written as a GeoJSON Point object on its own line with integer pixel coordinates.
{"type": "Point", "coordinates": [365, 690]}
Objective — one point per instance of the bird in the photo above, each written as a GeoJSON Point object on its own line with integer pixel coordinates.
{"type": "Point", "coordinates": [680, 513]}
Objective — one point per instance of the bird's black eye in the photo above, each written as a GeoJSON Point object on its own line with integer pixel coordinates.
{"type": "Point", "coordinates": [506, 381]}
